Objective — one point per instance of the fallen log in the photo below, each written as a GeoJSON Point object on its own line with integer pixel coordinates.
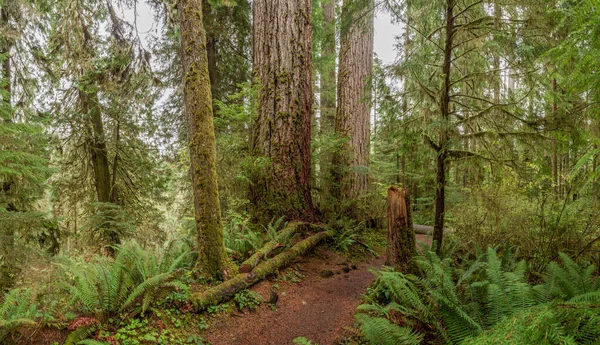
{"type": "Point", "coordinates": [229, 288]}
{"type": "Point", "coordinates": [268, 248]}
{"type": "Point", "coordinates": [423, 229]}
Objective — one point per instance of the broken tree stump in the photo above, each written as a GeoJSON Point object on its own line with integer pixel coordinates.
{"type": "Point", "coordinates": [401, 236]}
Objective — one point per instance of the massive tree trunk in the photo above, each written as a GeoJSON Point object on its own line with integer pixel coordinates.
{"type": "Point", "coordinates": [281, 134]}
{"type": "Point", "coordinates": [442, 151]}
{"type": "Point", "coordinates": [201, 138]}
{"type": "Point", "coordinates": [352, 120]}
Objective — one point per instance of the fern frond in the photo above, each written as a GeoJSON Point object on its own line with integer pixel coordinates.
{"type": "Point", "coordinates": [379, 331]}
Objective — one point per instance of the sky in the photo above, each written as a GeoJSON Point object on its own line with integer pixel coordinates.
{"type": "Point", "coordinates": [385, 37]}
{"type": "Point", "coordinates": [385, 31]}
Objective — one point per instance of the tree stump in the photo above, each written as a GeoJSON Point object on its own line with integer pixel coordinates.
{"type": "Point", "coordinates": [401, 236]}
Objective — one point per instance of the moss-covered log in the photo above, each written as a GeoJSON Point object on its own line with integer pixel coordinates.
{"type": "Point", "coordinates": [228, 289]}
{"type": "Point", "coordinates": [268, 248]}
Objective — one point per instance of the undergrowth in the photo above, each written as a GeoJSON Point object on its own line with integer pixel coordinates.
{"type": "Point", "coordinates": [485, 300]}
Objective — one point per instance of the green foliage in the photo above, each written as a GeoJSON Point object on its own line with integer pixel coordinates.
{"type": "Point", "coordinates": [552, 323]}
{"type": "Point", "coordinates": [303, 341]}
{"type": "Point", "coordinates": [240, 240]}
{"type": "Point", "coordinates": [247, 299]}
{"type": "Point", "coordinates": [457, 300]}
{"type": "Point", "coordinates": [379, 331]}
{"type": "Point", "coordinates": [105, 287]}
{"type": "Point", "coordinates": [18, 309]}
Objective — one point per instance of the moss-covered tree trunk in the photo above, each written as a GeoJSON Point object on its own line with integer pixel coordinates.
{"type": "Point", "coordinates": [328, 91]}
{"type": "Point", "coordinates": [442, 150]}
{"type": "Point", "coordinates": [352, 121]}
{"type": "Point", "coordinates": [401, 236]}
{"type": "Point", "coordinates": [281, 134]}
{"type": "Point", "coordinates": [201, 139]}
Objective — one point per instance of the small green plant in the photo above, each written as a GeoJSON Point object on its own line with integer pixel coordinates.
{"type": "Point", "coordinates": [240, 240]}
{"type": "Point", "coordinates": [303, 341]}
{"type": "Point", "coordinates": [272, 229]}
{"type": "Point", "coordinates": [247, 299]}
{"type": "Point", "coordinates": [291, 275]}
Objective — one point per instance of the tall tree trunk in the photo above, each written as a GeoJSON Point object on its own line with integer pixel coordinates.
{"type": "Point", "coordinates": [442, 152]}
{"type": "Point", "coordinates": [281, 134]}
{"type": "Point", "coordinates": [211, 51]}
{"type": "Point", "coordinates": [352, 120]}
{"type": "Point", "coordinates": [201, 139]}
{"type": "Point", "coordinates": [328, 94]}
{"type": "Point", "coordinates": [99, 157]}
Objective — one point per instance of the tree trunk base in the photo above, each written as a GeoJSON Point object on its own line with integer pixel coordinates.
{"type": "Point", "coordinates": [228, 289]}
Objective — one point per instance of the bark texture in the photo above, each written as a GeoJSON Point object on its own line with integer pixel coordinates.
{"type": "Point", "coordinates": [201, 139]}
{"type": "Point", "coordinates": [352, 120]}
{"type": "Point", "coordinates": [228, 289]}
{"type": "Point", "coordinates": [271, 246]}
{"type": "Point", "coordinates": [442, 152]}
{"type": "Point", "coordinates": [281, 133]}
{"type": "Point", "coordinates": [328, 73]}
{"type": "Point", "coordinates": [401, 236]}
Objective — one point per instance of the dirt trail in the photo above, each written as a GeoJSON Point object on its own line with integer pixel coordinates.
{"type": "Point", "coordinates": [320, 309]}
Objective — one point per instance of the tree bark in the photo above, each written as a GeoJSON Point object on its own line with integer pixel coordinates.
{"type": "Point", "coordinates": [201, 140]}
{"type": "Point", "coordinates": [228, 289]}
{"type": "Point", "coordinates": [268, 248]}
{"type": "Point", "coordinates": [282, 130]}
{"type": "Point", "coordinates": [328, 91]}
{"type": "Point", "coordinates": [401, 236]}
{"type": "Point", "coordinates": [352, 120]}
{"type": "Point", "coordinates": [328, 73]}
{"type": "Point", "coordinates": [442, 152]}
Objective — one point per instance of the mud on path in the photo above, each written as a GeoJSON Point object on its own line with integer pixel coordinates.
{"type": "Point", "coordinates": [316, 307]}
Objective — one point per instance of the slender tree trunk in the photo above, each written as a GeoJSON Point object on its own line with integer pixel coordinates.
{"type": "Point", "coordinates": [211, 51]}
{"type": "Point", "coordinates": [442, 154]}
{"type": "Point", "coordinates": [555, 177]}
{"type": "Point", "coordinates": [352, 120]}
{"type": "Point", "coordinates": [201, 140]}
{"type": "Point", "coordinates": [282, 130]}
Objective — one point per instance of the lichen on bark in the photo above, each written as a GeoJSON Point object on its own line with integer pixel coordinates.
{"type": "Point", "coordinates": [281, 132]}
{"type": "Point", "coordinates": [213, 258]}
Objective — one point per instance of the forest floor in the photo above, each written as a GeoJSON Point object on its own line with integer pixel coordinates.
{"type": "Point", "coordinates": [317, 298]}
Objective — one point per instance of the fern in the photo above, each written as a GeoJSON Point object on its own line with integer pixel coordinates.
{"type": "Point", "coordinates": [17, 310]}
{"type": "Point", "coordinates": [569, 280]}
{"type": "Point", "coordinates": [105, 287]}
{"type": "Point", "coordinates": [379, 331]}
